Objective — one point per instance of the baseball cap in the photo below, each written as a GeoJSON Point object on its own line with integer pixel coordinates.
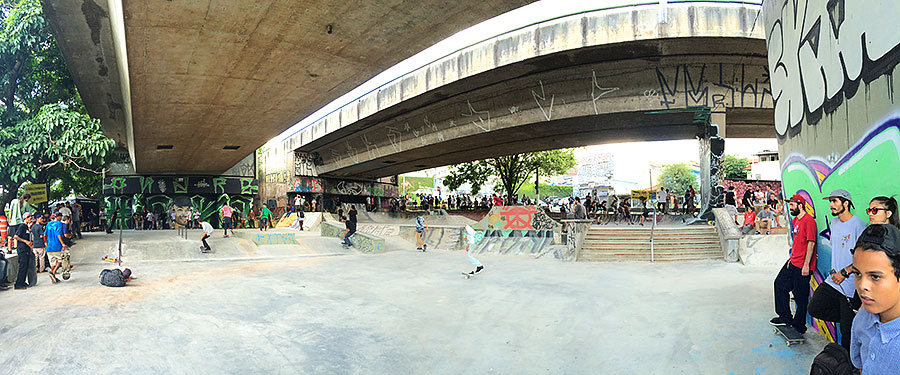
{"type": "Point", "coordinates": [884, 235]}
{"type": "Point", "coordinates": [27, 215]}
{"type": "Point", "coordinates": [798, 198]}
{"type": "Point", "coordinates": [838, 193]}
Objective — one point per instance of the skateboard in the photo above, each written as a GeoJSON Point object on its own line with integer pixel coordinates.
{"type": "Point", "coordinates": [790, 335]}
{"type": "Point", "coordinates": [468, 275]}
{"type": "Point", "coordinates": [204, 250]}
{"type": "Point", "coordinates": [67, 266]}
{"type": "Point", "coordinates": [110, 259]}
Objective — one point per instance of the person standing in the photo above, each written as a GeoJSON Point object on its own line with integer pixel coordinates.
{"type": "Point", "coordinates": [15, 210]}
{"type": "Point", "coordinates": [103, 220]}
{"type": "Point", "coordinates": [227, 223]}
{"type": "Point", "coordinates": [794, 276]}
{"type": "Point", "coordinates": [40, 243]}
{"type": "Point", "coordinates": [662, 199]}
{"type": "Point", "coordinates": [264, 215]}
{"type": "Point", "coordinates": [731, 205]}
{"type": "Point", "coordinates": [76, 220]}
{"type": "Point", "coordinates": [470, 247]}
{"type": "Point", "coordinates": [421, 227]}
{"type": "Point", "coordinates": [207, 232]}
{"type": "Point", "coordinates": [24, 251]}
{"type": "Point", "coordinates": [351, 225]}
{"type": "Point", "coordinates": [835, 300]}
{"type": "Point", "coordinates": [578, 209]}
{"type": "Point", "coordinates": [57, 250]}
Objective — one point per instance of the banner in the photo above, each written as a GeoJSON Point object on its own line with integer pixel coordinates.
{"type": "Point", "coordinates": [38, 193]}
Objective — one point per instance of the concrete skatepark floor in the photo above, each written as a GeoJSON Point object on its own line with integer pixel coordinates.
{"type": "Point", "coordinates": [318, 309]}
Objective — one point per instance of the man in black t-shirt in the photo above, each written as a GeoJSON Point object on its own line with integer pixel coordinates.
{"type": "Point", "coordinates": [24, 251]}
{"type": "Point", "coordinates": [351, 225]}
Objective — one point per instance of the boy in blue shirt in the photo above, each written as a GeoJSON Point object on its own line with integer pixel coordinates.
{"type": "Point", "coordinates": [57, 250]}
{"type": "Point", "coordinates": [875, 339]}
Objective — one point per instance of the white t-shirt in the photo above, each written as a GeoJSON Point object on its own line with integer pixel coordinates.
{"type": "Point", "coordinates": [297, 201]}
{"type": "Point", "coordinates": [843, 238]}
{"type": "Point", "coordinates": [65, 211]}
{"type": "Point", "coordinates": [206, 227]}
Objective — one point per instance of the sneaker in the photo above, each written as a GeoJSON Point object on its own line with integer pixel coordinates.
{"type": "Point", "coordinates": [777, 321]}
{"type": "Point", "coordinates": [4, 287]}
{"type": "Point", "coordinates": [479, 269]}
{"type": "Point", "coordinates": [424, 247]}
{"type": "Point", "coordinates": [53, 277]}
{"type": "Point", "coordinates": [419, 249]}
{"type": "Point", "coordinates": [801, 331]}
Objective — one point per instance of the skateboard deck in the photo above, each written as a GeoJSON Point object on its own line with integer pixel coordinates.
{"type": "Point", "coordinates": [204, 250]}
{"type": "Point", "coordinates": [468, 275]}
{"type": "Point", "coordinates": [790, 335]}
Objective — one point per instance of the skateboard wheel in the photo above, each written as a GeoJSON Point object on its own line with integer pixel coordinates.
{"type": "Point", "coordinates": [66, 276]}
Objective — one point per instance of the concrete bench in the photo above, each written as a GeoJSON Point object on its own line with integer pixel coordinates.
{"type": "Point", "coordinates": [364, 242]}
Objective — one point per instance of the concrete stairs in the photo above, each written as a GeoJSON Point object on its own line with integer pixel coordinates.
{"type": "Point", "coordinates": [610, 244]}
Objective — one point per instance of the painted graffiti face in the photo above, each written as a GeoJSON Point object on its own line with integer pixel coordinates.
{"type": "Point", "coordinates": [878, 287]}
{"type": "Point", "coordinates": [837, 206]}
{"type": "Point", "coordinates": [878, 213]}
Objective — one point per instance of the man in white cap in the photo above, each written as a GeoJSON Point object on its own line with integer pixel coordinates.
{"type": "Point", "coordinates": [835, 300]}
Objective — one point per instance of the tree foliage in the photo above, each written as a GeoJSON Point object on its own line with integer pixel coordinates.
{"type": "Point", "coordinates": [511, 171]}
{"type": "Point", "coordinates": [45, 134]}
{"type": "Point", "coordinates": [735, 167]}
{"type": "Point", "coordinates": [676, 178]}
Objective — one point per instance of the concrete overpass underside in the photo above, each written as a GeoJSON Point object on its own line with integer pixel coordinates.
{"type": "Point", "coordinates": [202, 75]}
{"type": "Point", "coordinates": [609, 76]}
{"type": "Point", "coordinates": [575, 98]}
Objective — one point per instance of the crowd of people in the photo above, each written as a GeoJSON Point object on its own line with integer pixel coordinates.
{"type": "Point", "coordinates": [41, 241]}
{"type": "Point", "coordinates": [861, 291]}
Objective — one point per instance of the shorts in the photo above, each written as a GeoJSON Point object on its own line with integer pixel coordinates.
{"type": "Point", "coordinates": [732, 210]}
{"type": "Point", "coordinates": [57, 256]}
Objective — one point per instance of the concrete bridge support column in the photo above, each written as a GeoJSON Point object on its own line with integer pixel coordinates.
{"type": "Point", "coordinates": [712, 150]}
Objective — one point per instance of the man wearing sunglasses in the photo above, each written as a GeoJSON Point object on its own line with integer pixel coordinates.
{"type": "Point", "coordinates": [794, 276]}
{"type": "Point", "coordinates": [836, 299]}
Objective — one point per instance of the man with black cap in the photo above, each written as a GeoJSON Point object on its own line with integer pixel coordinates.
{"type": "Point", "coordinates": [794, 276]}
{"type": "Point", "coordinates": [835, 300]}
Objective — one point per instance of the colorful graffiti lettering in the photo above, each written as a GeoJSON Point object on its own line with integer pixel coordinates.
{"type": "Point", "coordinates": [517, 218]}
{"type": "Point", "coordinates": [247, 186]}
{"type": "Point", "coordinates": [116, 184]}
{"type": "Point", "coordinates": [307, 185]}
{"type": "Point", "coordinates": [275, 239]}
{"type": "Point", "coordinates": [877, 153]}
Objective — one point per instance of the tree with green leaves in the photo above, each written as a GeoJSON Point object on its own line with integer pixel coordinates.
{"type": "Point", "coordinates": [512, 171]}
{"type": "Point", "coordinates": [735, 168]}
{"type": "Point", "coordinates": [677, 178]}
{"type": "Point", "coordinates": [45, 133]}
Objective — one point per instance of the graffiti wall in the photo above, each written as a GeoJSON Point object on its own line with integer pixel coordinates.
{"type": "Point", "coordinates": [833, 68]}
{"type": "Point", "coordinates": [160, 194]}
{"type": "Point", "coordinates": [516, 230]}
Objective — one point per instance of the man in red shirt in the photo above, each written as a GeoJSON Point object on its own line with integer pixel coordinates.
{"type": "Point", "coordinates": [749, 221]}
{"type": "Point", "coordinates": [794, 276]}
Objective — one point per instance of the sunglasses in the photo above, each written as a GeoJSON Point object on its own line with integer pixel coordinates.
{"type": "Point", "coordinates": [874, 210]}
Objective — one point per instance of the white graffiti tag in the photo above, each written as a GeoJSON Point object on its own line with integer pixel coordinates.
{"type": "Point", "coordinates": [816, 48]}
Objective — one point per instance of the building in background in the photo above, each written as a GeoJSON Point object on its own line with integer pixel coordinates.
{"type": "Point", "coordinates": [765, 165]}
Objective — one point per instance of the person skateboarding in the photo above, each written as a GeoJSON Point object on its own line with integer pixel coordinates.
{"type": "Point", "coordinates": [351, 226]}
{"type": "Point", "coordinates": [264, 215]}
{"type": "Point", "coordinates": [207, 232]}
{"type": "Point", "coordinates": [794, 276]}
{"type": "Point", "coordinates": [470, 246]}
{"type": "Point", "coordinates": [421, 227]}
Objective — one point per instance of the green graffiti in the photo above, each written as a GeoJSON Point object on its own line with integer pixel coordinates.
{"type": "Point", "coordinates": [116, 184]}
{"type": "Point", "coordinates": [218, 185]}
{"type": "Point", "coordinates": [247, 186]}
{"type": "Point", "coordinates": [146, 184]}
{"type": "Point", "coordinates": [180, 188]}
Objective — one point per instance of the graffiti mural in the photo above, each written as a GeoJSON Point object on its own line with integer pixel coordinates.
{"type": "Point", "coordinates": [517, 218]}
{"type": "Point", "coordinates": [818, 54]}
{"type": "Point", "coordinates": [877, 152]}
{"type": "Point", "coordinates": [712, 86]}
{"type": "Point", "coordinates": [307, 185]}
{"type": "Point", "coordinates": [305, 163]}
{"type": "Point", "coordinates": [160, 194]}
{"type": "Point", "coordinates": [513, 242]}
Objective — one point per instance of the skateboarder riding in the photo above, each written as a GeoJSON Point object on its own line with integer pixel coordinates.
{"type": "Point", "coordinates": [421, 227]}
{"type": "Point", "coordinates": [207, 232]}
{"type": "Point", "coordinates": [470, 246]}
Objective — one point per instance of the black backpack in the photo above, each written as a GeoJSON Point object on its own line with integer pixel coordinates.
{"type": "Point", "coordinates": [833, 360]}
